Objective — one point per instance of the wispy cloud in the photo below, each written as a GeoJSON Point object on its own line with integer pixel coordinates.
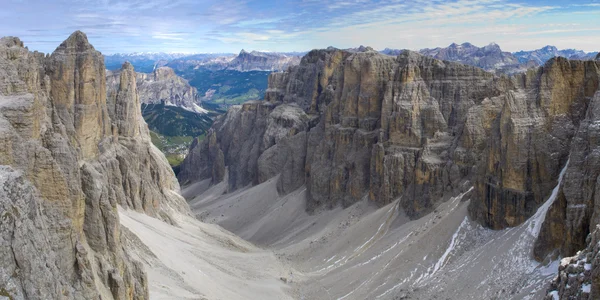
{"type": "Point", "coordinates": [287, 25]}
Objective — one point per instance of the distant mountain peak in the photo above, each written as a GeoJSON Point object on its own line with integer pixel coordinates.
{"type": "Point", "coordinates": [77, 41]}
{"type": "Point", "coordinates": [549, 48]}
{"type": "Point", "coordinates": [492, 47]}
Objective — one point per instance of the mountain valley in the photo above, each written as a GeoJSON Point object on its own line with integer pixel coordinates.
{"type": "Point", "coordinates": [340, 174]}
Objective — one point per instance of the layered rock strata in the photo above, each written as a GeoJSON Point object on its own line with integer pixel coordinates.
{"type": "Point", "coordinates": [160, 86]}
{"type": "Point", "coordinates": [419, 130]}
{"type": "Point", "coordinates": [68, 157]}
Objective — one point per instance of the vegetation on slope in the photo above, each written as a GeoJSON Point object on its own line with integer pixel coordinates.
{"type": "Point", "coordinates": [228, 87]}
{"type": "Point", "coordinates": [173, 128]}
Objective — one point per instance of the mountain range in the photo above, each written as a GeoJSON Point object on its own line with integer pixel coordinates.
{"type": "Point", "coordinates": [540, 56]}
{"type": "Point", "coordinates": [161, 86]}
{"type": "Point", "coordinates": [244, 61]}
{"type": "Point", "coordinates": [171, 107]}
{"type": "Point", "coordinates": [492, 58]}
{"type": "Point", "coordinates": [489, 58]}
{"type": "Point", "coordinates": [433, 145]}
{"type": "Point", "coordinates": [359, 175]}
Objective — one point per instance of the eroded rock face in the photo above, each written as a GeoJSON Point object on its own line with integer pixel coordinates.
{"type": "Point", "coordinates": [489, 57]}
{"type": "Point", "coordinates": [254, 141]}
{"type": "Point", "coordinates": [420, 129]}
{"type": "Point", "coordinates": [160, 86]}
{"type": "Point", "coordinates": [576, 213]}
{"type": "Point", "coordinates": [69, 157]}
{"type": "Point", "coordinates": [262, 61]}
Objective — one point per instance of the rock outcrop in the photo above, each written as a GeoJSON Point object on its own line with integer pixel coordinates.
{"type": "Point", "coordinates": [243, 62]}
{"type": "Point", "coordinates": [579, 275]}
{"type": "Point", "coordinates": [69, 156]}
{"type": "Point", "coordinates": [419, 129]}
{"type": "Point", "coordinates": [489, 57]}
{"type": "Point", "coordinates": [576, 212]}
{"type": "Point", "coordinates": [542, 55]}
{"type": "Point", "coordinates": [493, 59]}
{"type": "Point", "coordinates": [254, 141]}
{"type": "Point", "coordinates": [160, 86]}
{"type": "Point", "coordinates": [262, 61]}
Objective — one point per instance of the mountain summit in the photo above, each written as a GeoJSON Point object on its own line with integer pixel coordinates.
{"type": "Point", "coordinates": [69, 158]}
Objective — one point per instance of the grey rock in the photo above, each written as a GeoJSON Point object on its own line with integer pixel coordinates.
{"type": "Point", "coordinates": [489, 57]}
{"type": "Point", "coordinates": [579, 275]}
{"type": "Point", "coordinates": [160, 86]}
{"type": "Point", "coordinates": [243, 62]}
{"type": "Point", "coordinates": [414, 128]}
{"type": "Point", "coordinates": [241, 136]}
{"type": "Point", "coordinates": [542, 55]}
{"type": "Point", "coordinates": [69, 156]}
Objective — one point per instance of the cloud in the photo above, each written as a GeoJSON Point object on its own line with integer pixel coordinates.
{"type": "Point", "coordinates": [288, 25]}
{"type": "Point", "coordinates": [169, 36]}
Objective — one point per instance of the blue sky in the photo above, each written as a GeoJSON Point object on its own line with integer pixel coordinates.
{"type": "Point", "coordinates": [285, 25]}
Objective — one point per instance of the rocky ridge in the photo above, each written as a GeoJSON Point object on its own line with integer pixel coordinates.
{"type": "Point", "coordinates": [489, 57]}
{"type": "Point", "coordinates": [419, 129]}
{"type": "Point", "coordinates": [243, 62]}
{"type": "Point", "coordinates": [540, 56]}
{"type": "Point", "coordinates": [160, 86]}
{"type": "Point", "coordinates": [70, 155]}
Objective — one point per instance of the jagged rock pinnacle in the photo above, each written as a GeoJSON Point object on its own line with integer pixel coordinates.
{"type": "Point", "coordinates": [127, 66]}
{"type": "Point", "coordinates": [78, 41]}
{"type": "Point", "coordinates": [10, 41]}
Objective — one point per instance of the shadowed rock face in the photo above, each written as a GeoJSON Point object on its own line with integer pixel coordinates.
{"type": "Point", "coordinates": [420, 129]}
{"type": "Point", "coordinates": [68, 157]}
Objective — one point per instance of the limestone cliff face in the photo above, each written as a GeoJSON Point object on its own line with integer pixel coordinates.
{"type": "Point", "coordinates": [68, 157]}
{"type": "Point", "coordinates": [377, 126]}
{"type": "Point", "coordinates": [418, 129]}
{"type": "Point", "coordinates": [162, 85]}
{"type": "Point", "coordinates": [262, 61]}
{"type": "Point", "coordinates": [257, 140]}
{"type": "Point", "coordinates": [576, 213]}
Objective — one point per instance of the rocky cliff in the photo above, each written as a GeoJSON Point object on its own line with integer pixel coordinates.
{"type": "Point", "coordinates": [244, 61]}
{"type": "Point", "coordinates": [542, 55]}
{"type": "Point", "coordinates": [489, 57]}
{"type": "Point", "coordinates": [69, 156]}
{"type": "Point", "coordinates": [160, 86]}
{"type": "Point", "coordinates": [262, 61]}
{"type": "Point", "coordinates": [414, 128]}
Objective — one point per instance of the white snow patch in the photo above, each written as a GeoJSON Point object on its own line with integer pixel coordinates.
{"type": "Point", "coordinates": [199, 109]}
{"type": "Point", "coordinates": [440, 263]}
{"type": "Point", "coordinates": [586, 288]}
{"type": "Point", "coordinates": [534, 224]}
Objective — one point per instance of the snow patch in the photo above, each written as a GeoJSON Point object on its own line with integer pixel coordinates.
{"type": "Point", "coordinates": [586, 288]}
{"type": "Point", "coordinates": [440, 263]}
{"type": "Point", "coordinates": [534, 224]}
{"type": "Point", "coordinates": [199, 109]}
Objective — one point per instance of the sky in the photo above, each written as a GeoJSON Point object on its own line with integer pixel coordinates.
{"type": "Point", "coordinates": [219, 26]}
